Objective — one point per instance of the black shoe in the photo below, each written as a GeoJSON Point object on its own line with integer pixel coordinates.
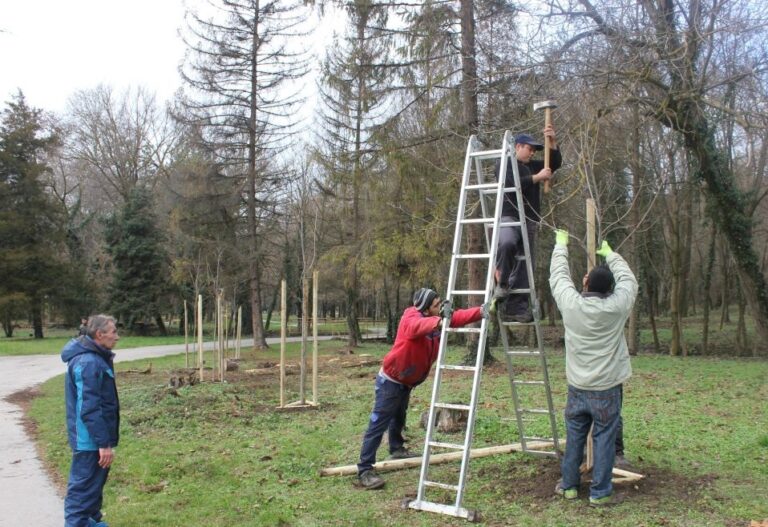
{"type": "Point", "coordinates": [403, 453]}
{"type": "Point", "coordinates": [369, 480]}
{"type": "Point", "coordinates": [520, 318]}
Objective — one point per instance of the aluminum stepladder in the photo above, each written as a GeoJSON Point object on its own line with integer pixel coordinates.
{"type": "Point", "coordinates": [490, 196]}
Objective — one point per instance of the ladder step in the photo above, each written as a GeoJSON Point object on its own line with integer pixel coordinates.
{"type": "Point", "coordinates": [486, 154]}
{"type": "Point", "coordinates": [534, 411]}
{"type": "Point", "coordinates": [505, 323]}
{"type": "Point", "coordinates": [519, 291]}
{"type": "Point", "coordinates": [529, 383]}
{"type": "Point", "coordinates": [469, 292]}
{"type": "Point", "coordinates": [467, 221]}
{"type": "Point", "coordinates": [524, 353]}
{"type": "Point", "coordinates": [445, 486]}
{"type": "Point", "coordinates": [463, 330]}
{"type": "Point", "coordinates": [480, 186]}
{"type": "Point", "coordinates": [471, 256]}
{"type": "Point", "coordinates": [545, 439]}
{"type": "Point", "coordinates": [451, 406]}
{"type": "Point", "coordinates": [452, 446]}
{"type": "Point", "coordinates": [509, 224]}
{"type": "Point", "coordinates": [457, 367]}
{"type": "Point", "coordinates": [493, 192]}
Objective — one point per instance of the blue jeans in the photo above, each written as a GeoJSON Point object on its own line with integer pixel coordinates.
{"type": "Point", "coordinates": [84, 489]}
{"type": "Point", "coordinates": [584, 407]}
{"type": "Point", "coordinates": [389, 413]}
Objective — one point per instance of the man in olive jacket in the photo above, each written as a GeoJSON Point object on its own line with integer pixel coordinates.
{"type": "Point", "coordinates": [596, 363]}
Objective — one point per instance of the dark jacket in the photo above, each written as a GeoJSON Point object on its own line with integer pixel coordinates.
{"type": "Point", "coordinates": [93, 409]}
{"type": "Point", "coordinates": [417, 343]}
{"type": "Point", "coordinates": [531, 193]}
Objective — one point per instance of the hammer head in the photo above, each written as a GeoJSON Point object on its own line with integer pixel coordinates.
{"type": "Point", "coordinates": [544, 104]}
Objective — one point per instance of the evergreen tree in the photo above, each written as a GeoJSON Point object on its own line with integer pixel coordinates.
{"type": "Point", "coordinates": [31, 232]}
{"type": "Point", "coordinates": [139, 288]}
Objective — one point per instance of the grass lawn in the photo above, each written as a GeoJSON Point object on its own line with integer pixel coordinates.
{"type": "Point", "coordinates": [220, 454]}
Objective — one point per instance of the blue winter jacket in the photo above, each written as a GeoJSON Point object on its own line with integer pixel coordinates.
{"type": "Point", "coordinates": [93, 409]}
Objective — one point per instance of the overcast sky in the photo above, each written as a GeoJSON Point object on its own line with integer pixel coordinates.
{"type": "Point", "coordinates": [51, 48]}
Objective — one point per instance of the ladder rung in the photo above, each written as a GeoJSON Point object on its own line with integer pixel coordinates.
{"type": "Point", "coordinates": [463, 330]}
{"type": "Point", "coordinates": [471, 256]}
{"type": "Point", "coordinates": [508, 189]}
{"type": "Point", "coordinates": [457, 367]}
{"type": "Point", "coordinates": [480, 186]}
{"type": "Point", "coordinates": [510, 224]}
{"type": "Point", "coordinates": [467, 221]}
{"type": "Point", "coordinates": [469, 292]}
{"type": "Point", "coordinates": [452, 406]}
{"type": "Point", "coordinates": [519, 291]}
{"type": "Point", "coordinates": [534, 411]}
{"type": "Point", "coordinates": [524, 353]}
{"type": "Point", "coordinates": [486, 154]}
{"type": "Point", "coordinates": [545, 439]}
{"type": "Point", "coordinates": [531, 383]}
{"type": "Point", "coordinates": [505, 323]}
{"type": "Point", "coordinates": [445, 486]}
{"type": "Point", "coordinates": [452, 446]}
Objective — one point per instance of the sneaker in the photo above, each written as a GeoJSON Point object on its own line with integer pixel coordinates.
{"type": "Point", "coordinates": [369, 480]}
{"type": "Point", "coordinates": [605, 501]}
{"type": "Point", "coordinates": [403, 453]}
{"type": "Point", "coordinates": [569, 494]}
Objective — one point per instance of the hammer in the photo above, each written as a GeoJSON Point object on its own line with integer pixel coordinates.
{"type": "Point", "coordinates": [547, 106]}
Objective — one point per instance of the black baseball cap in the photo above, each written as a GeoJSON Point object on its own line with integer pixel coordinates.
{"type": "Point", "coordinates": [525, 139]}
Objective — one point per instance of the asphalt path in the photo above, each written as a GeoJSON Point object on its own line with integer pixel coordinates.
{"type": "Point", "coordinates": [27, 495]}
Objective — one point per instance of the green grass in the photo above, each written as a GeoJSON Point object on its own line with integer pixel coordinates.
{"type": "Point", "coordinates": [52, 344]}
{"type": "Point", "coordinates": [220, 454]}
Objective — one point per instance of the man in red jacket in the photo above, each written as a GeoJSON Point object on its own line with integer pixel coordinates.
{"type": "Point", "coordinates": [405, 366]}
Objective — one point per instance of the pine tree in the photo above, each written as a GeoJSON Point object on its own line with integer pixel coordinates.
{"type": "Point", "coordinates": [139, 291]}
{"type": "Point", "coordinates": [31, 232]}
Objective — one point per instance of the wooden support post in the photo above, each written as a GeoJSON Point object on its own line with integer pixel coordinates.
{"type": "Point", "coordinates": [186, 337]}
{"type": "Point", "coordinates": [239, 331]}
{"type": "Point", "coordinates": [314, 337]}
{"type": "Point", "coordinates": [220, 333]}
{"type": "Point", "coordinates": [283, 338]}
{"type": "Point", "coordinates": [591, 262]}
{"type": "Point", "coordinates": [200, 335]}
{"type": "Point", "coordinates": [304, 328]}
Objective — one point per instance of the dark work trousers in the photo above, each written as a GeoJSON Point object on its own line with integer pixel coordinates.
{"type": "Point", "coordinates": [583, 409]}
{"type": "Point", "coordinates": [389, 411]}
{"type": "Point", "coordinates": [512, 271]}
{"type": "Point", "coordinates": [85, 489]}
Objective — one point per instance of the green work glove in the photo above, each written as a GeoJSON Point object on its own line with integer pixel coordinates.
{"type": "Point", "coordinates": [604, 249]}
{"type": "Point", "coordinates": [485, 310]}
{"type": "Point", "coordinates": [446, 309]}
{"type": "Point", "coordinates": [561, 237]}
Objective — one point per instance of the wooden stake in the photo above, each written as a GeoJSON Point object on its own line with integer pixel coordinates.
{"type": "Point", "coordinates": [239, 330]}
{"type": "Point", "coordinates": [591, 262]}
{"type": "Point", "coordinates": [314, 337]}
{"type": "Point", "coordinates": [283, 338]}
{"type": "Point", "coordinates": [200, 335]}
{"type": "Point", "coordinates": [304, 320]}
{"type": "Point", "coordinates": [186, 337]}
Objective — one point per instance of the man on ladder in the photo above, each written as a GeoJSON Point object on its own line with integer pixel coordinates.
{"type": "Point", "coordinates": [511, 271]}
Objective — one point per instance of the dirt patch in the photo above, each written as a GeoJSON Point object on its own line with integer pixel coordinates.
{"type": "Point", "coordinates": [534, 479]}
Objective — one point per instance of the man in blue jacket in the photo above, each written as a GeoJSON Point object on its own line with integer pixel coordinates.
{"type": "Point", "coordinates": [93, 419]}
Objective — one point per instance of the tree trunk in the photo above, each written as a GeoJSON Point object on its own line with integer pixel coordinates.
{"type": "Point", "coordinates": [731, 215]}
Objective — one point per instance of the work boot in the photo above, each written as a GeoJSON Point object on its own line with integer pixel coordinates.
{"type": "Point", "coordinates": [621, 462]}
{"type": "Point", "coordinates": [369, 480]}
{"type": "Point", "coordinates": [403, 453]}
{"type": "Point", "coordinates": [520, 318]}
{"type": "Point", "coordinates": [569, 494]}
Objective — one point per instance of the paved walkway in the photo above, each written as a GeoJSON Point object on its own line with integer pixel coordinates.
{"type": "Point", "coordinates": [27, 496]}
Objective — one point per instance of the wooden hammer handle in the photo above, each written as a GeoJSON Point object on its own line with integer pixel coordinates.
{"type": "Point", "coordinates": [547, 145]}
